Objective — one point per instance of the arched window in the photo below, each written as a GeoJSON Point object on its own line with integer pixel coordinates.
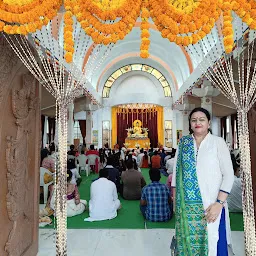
{"type": "Point", "coordinates": [136, 67]}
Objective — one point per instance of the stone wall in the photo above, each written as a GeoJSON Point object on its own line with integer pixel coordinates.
{"type": "Point", "coordinates": [19, 156]}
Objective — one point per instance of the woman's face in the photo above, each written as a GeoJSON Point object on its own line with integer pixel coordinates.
{"type": "Point", "coordinates": [199, 123]}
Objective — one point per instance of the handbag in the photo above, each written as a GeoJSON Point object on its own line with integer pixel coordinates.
{"type": "Point", "coordinates": [173, 246]}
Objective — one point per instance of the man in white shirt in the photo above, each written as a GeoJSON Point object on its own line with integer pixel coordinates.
{"type": "Point", "coordinates": [104, 201]}
{"type": "Point", "coordinates": [169, 156]}
{"type": "Point", "coordinates": [235, 197]}
{"type": "Point", "coordinates": [169, 165]}
{"type": "Point", "coordinates": [139, 157]}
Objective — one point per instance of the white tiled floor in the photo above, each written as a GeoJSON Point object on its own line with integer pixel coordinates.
{"type": "Point", "coordinates": [123, 242]}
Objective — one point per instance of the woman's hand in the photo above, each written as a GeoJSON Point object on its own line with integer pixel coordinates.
{"type": "Point", "coordinates": [213, 211]}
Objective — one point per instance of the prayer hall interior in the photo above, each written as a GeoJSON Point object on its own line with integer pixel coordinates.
{"type": "Point", "coordinates": [74, 102]}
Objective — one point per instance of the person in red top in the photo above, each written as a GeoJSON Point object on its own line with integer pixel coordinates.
{"type": "Point", "coordinates": [156, 160]}
{"type": "Point", "coordinates": [92, 151]}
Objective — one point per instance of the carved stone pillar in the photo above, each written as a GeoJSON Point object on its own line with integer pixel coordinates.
{"type": "Point", "coordinates": [20, 140]}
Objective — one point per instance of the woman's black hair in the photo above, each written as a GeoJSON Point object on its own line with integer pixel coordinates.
{"type": "Point", "coordinates": [44, 153]}
{"type": "Point", "coordinates": [146, 155]}
{"type": "Point", "coordinates": [102, 155]}
{"type": "Point", "coordinates": [199, 109]}
{"type": "Point", "coordinates": [69, 175]}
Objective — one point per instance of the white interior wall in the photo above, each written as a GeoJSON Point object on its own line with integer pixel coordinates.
{"type": "Point", "coordinates": [215, 125]}
{"type": "Point", "coordinates": [80, 115]}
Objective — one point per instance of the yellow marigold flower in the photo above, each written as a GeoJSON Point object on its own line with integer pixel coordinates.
{"type": "Point", "coordinates": [69, 57]}
{"type": "Point", "coordinates": [253, 25]}
{"type": "Point", "coordinates": [187, 40]}
{"type": "Point", "coordinates": [145, 33]}
{"type": "Point", "coordinates": [201, 34]}
{"type": "Point", "coordinates": [171, 37]}
{"type": "Point", "coordinates": [195, 38]}
{"type": "Point", "coordinates": [228, 40]}
{"type": "Point", "coordinates": [192, 27]}
{"type": "Point", "coordinates": [227, 31]}
{"type": "Point", "coordinates": [165, 33]}
{"type": "Point", "coordinates": [179, 40]}
{"type": "Point", "coordinates": [144, 54]}
{"type": "Point", "coordinates": [207, 29]}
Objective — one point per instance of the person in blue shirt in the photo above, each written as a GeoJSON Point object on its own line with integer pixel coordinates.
{"type": "Point", "coordinates": [156, 203]}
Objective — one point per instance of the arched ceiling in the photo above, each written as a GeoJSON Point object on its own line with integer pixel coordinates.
{"type": "Point", "coordinates": [167, 57]}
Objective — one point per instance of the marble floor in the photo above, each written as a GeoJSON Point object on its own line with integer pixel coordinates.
{"type": "Point", "coordinates": [115, 242]}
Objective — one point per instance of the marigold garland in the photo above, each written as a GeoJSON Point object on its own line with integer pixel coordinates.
{"type": "Point", "coordinates": [68, 36]}
{"type": "Point", "coordinates": [145, 42]}
{"type": "Point", "coordinates": [183, 22]}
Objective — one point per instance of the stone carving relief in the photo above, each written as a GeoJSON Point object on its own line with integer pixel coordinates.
{"type": "Point", "coordinates": [7, 61]}
{"type": "Point", "coordinates": [20, 194]}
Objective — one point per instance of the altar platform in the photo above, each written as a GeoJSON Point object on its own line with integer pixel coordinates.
{"type": "Point", "coordinates": [137, 142]}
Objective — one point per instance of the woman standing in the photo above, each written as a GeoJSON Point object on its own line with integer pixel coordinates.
{"type": "Point", "coordinates": [202, 179]}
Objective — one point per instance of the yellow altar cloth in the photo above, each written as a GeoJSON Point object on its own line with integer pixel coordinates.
{"type": "Point", "coordinates": [140, 142]}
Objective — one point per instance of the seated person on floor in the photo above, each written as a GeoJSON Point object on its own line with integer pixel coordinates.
{"type": "Point", "coordinates": [139, 157]}
{"type": "Point", "coordinates": [156, 160]}
{"type": "Point", "coordinates": [168, 156]}
{"type": "Point", "coordinates": [145, 162]}
{"type": "Point", "coordinates": [133, 182]}
{"type": "Point", "coordinates": [104, 201]}
{"type": "Point", "coordinates": [156, 204]}
{"type": "Point", "coordinates": [170, 164]}
{"type": "Point", "coordinates": [76, 178]}
{"type": "Point", "coordinates": [135, 166]}
{"type": "Point", "coordinates": [235, 197]}
{"type": "Point", "coordinates": [113, 173]}
{"type": "Point", "coordinates": [75, 206]}
{"type": "Point", "coordinates": [162, 155]}
{"type": "Point", "coordinates": [72, 153]}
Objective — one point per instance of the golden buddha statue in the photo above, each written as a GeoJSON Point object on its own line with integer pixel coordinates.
{"type": "Point", "coordinates": [137, 127]}
{"type": "Point", "coordinates": [137, 131]}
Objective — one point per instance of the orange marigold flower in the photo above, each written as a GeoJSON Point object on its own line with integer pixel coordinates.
{"type": "Point", "coordinates": [69, 57]}
{"type": "Point", "coordinates": [195, 38]}
{"type": "Point", "coordinates": [106, 41]}
{"type": "Point", "coordinates": [228, 41]}
{"type": "Point", "coordinates": [201, 34]}
{"type": "Point", "coordinates": [145, 41]}
{"type": "Point", "coordinates": [171, 37]}
{"type": "Point", "coordinates": [192, 27]}
{"type": "Point", "coordinates": [187, 40]}
{"type": "Point", "coordinates": [145, 26]}
{"type": "Point", "coordinates": [207, 29]}
{"type": "Point", "coordinates": [165, 33]}
{"type": "Point", "coordinates": [144, 54]}
{"type": "Point", "coordinates": [253, 25]}
{"type": "Point", "coordinates": [227, 31]}
{"type": "Point", "coordinates": [228, 48]}
{"type": "Point", "coordinates": [179, 40]}
{"type": "Point", "coordinates": [145, 33]}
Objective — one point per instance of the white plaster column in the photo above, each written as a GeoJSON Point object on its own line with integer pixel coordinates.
{"type": "Point", "coordinates": [88, 138]}
{"type": "Point", "coordinates": [70, 124]}
{"type": "Point", "coordinates": [45, 131]}
{"type": "Point", "coordinates": [206, 93]}
{"type": "Point", "coordinates": [185, 108]}
{"type": "Point", "coordinates": [174, 129]}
